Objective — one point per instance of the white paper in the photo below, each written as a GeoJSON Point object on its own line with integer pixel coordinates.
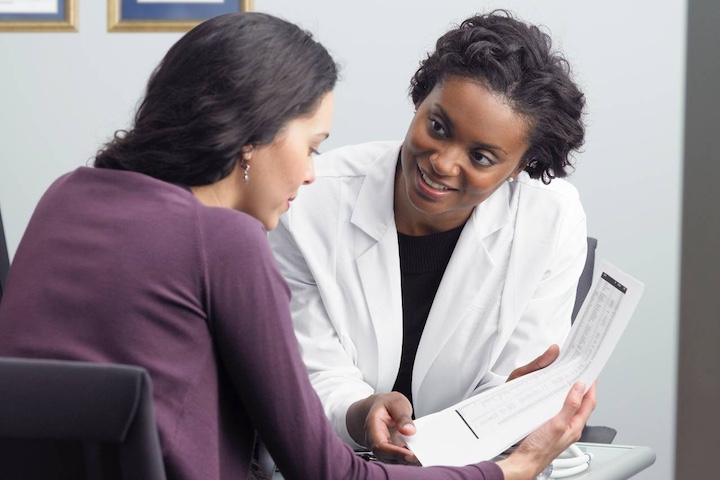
{"type": "Point", "coordinates": [485, 425]}
{"type": "Point", "coordinates": [29, 6]}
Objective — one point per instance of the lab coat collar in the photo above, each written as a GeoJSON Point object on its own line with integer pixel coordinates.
{"type": "Point", "coordinates": [373, 211]}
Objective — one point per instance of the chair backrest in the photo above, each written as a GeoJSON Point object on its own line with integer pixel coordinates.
{"type": "Point", "coordinates": [4, 258]}
{"type": "Point", "coordinates": [68, 419]}
{"type": "Point", "coordinates": [592, 434]}
{"type": "Point", "coordinates": [586, 277]}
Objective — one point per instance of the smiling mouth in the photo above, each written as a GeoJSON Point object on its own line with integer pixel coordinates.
{"type": "Point", "coordinates": [432, 184]}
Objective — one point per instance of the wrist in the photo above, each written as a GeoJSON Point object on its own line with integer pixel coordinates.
{"type": "Point", "coordinates": [515, 467]}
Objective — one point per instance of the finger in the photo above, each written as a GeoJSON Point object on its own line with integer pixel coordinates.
{"type": "Point", "coordinates": [548, 356]}
{"type": "Point", "coordinates": [540, 362]}
{"type": "Point", "coordinates": [400, 411]}
{"type": "Point", "coordinates": [588, 404]}
{"type": "Point", "coordinates": [377, 431]}
{"type": "Point", "coordinates": [412, 460]}
{"type": "Point", "coordinates": [392, 414]}
{"type": "Point", "coordinates": [388, 449]}
{"type": "Point", "coordinates": [389, 453]}
{"type": "Point", "coordinates": [573, 402]}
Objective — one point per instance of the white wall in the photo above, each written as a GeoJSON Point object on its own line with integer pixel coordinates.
{"type": "Point", "coordinates": [62, 95]}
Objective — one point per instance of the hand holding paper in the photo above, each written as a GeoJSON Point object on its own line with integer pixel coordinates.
{"type": "Point", "coordinates": [483, 426]}
{"type": "Point", "coordinates": [553, 437]}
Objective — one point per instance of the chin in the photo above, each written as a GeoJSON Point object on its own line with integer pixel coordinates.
{"type": "Point", "coordinates": [270, 224]}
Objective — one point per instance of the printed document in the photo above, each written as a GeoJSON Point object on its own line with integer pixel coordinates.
{"type": "Point", "coordinates": [485, 425]}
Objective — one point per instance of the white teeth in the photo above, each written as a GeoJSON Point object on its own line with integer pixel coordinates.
{"type": "Point", "coordinates": [434, 185]}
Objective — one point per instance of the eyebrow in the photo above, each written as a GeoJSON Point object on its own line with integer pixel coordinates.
{"type": "Point", "coordinates": [451, 126]}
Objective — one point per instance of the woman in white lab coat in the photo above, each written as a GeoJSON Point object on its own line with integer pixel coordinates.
{"type": "Point", "coordinates": [434, 267]}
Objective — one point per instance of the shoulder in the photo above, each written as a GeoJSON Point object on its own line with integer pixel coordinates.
{"type": "Point", "coordinates": [230, 231]}
{"type": "Point", "coordinates": [557, 196]}
{"type": "Point", "coordinates": [235, 250]}
{"type": "Point", "coordinates": [553, 207]}
{"type": "Point", "coordinates": [132, 200]}
{"type": "Point", "coordinates": [558, 190]}
{"type": "Point", "coordinates": [352, 160]}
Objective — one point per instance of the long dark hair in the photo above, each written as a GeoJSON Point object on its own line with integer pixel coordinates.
{"type": "Point", "coordinates": [516, 60]}
{"type": "Point", "coordinates": [233, 80]}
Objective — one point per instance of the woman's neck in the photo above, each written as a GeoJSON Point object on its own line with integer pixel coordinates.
{"type": "Point", "coordinates": [223, 193]}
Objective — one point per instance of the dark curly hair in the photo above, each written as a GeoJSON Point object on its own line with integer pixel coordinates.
{"type": "Point", "coordinates": [516, 60]}
{"type": "Point", "coordinates": [233, 80]}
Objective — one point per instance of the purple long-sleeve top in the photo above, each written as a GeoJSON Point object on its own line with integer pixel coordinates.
{"type": "Point", "coordinates": [120, 267]}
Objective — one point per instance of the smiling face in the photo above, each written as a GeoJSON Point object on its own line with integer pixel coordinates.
{"type": "Point", "coordinates": [462, 144]}
{"type": "Point", "coordinates": [279, 169]}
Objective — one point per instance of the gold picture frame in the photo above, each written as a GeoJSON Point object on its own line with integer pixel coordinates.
{"type": "Point", "coordinates": [159, 22]}
{"type": "Point", "coordinates": [65, 20]}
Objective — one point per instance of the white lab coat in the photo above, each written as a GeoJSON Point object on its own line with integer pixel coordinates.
{"type": "Point", "coordinates": [506, 295]}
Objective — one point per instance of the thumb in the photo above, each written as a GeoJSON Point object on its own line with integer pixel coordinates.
{"type": "Point", "coordinates": [407, 428]}
{"type": "Point", "coordinates": [400, 411]}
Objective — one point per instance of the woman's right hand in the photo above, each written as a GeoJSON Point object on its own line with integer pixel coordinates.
{"type": "Point", "coordinates": [544, 445]}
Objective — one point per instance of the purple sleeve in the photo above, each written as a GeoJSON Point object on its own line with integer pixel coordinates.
{"type": "Point", "coordinates": [250, 319]}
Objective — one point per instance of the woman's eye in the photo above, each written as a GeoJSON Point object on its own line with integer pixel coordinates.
{"type": "Point", "coordinates": [481, 159]}
{"type": "Point", "coordinates": [313, 152]}
{"type": "Point", "coordinates": [437, 127]}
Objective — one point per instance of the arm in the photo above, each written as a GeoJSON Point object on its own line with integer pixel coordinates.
{"type": "Point", "coordinates": [255, 340]}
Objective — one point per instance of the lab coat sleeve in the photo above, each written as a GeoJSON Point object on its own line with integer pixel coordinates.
{"type": "Point", "coordinates": [327, 356]}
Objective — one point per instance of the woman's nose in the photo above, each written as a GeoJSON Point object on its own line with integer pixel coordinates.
{"type": "Point", "coordinates": [309, 172]}
{"type": "Point", "coordinates": [446, 162]}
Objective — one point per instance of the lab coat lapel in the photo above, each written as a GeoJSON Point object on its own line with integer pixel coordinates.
{"type": "Point", "coordinates": [379, 265]}
{"type": "Point", "coordinates": [473, 280]}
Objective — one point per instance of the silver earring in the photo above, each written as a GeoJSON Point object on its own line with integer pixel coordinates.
{"type": "Point", "coordinates": [511, 179]}
{"type": "Point", "coordinates": [246, 167]}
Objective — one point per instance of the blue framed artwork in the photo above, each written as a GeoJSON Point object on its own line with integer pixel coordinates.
{"type": "Point", "coordinates": [38, 15]}
{"type": "Point", "coordinates": [167, 15]}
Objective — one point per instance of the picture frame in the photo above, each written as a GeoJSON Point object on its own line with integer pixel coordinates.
{"type": "Point", "coordinates": [39, 16]}
{"type": "Point", "coordinates": [167, 15]}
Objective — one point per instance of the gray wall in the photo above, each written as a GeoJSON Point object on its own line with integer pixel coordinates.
{"type": "Point", "coordinates": [698, 380]}
{"type": "Point", "coordinates": [61, 96]}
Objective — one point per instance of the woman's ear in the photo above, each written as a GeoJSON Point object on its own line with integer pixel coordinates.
{"type": "Point", "coordinates": [521, 166]}
{"type": "Point", "coordinates": [246, 151]}
{"type": "Point", "coordinates": [245, 162]}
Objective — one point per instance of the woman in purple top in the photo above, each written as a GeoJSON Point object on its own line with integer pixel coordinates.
{"type": "Point", "coordinates": [158, 257]}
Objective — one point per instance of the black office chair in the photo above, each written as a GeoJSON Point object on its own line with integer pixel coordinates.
{"type": "Point", "coordinates": [4, 259]}
{"type": "Point", "coordinates": [592, 434]}
{"type": "Point", "coordinates": [586, 277]}
{"type": "Point", "coordinates": [62, 420]}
